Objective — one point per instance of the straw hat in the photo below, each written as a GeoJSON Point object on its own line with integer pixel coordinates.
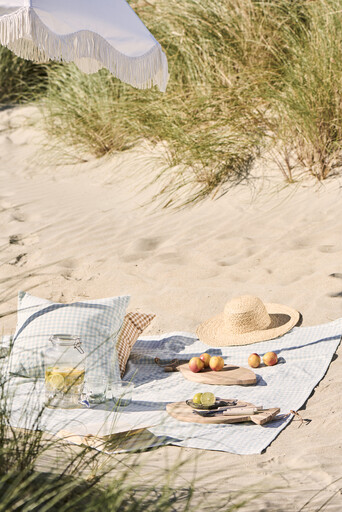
{"type": "Point", "coordinates": [245, 320]}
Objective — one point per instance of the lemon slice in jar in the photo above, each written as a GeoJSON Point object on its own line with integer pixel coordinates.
{"type": "Point", "coordinates": [56, 381]}
{"type": "Point", "coordinates": [208, 399]}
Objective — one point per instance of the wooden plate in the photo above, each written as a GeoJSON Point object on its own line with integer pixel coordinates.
{"type": "Point", "coordinates": [230, 375]}
{"type": "Point", "coordinates": [182, 412]}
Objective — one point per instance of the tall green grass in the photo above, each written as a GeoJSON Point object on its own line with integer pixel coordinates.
{"type": "Point", "coordinates": [20, 80]}
{"type": "Point", "coordinates": [307, 99]}
{"type": "Point", "coordinates": [210, 118]}
{"type": "Point", "coordinates": [41, 473]}
{"type": "Point", "coordinates": [81, 479]}
{"type": "Point", "coordinates": [245, 76]}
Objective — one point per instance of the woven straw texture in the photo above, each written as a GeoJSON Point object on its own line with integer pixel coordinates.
{"type": "Point", "coordinates": [245, 320]}
{"type": "Point", "coordinates": [133, 326]}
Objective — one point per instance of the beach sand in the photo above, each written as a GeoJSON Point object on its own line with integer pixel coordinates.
{"type": "Point", "coordinates": [82, 230]}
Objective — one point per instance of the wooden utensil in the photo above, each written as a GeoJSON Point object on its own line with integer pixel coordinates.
{"type": "Point", "coordinates": [182, 412]}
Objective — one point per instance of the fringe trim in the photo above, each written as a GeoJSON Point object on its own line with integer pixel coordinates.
{"type": "Point", "coordinates": [25, 34]}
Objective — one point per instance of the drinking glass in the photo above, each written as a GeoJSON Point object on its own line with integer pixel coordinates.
{"type": "Point", "coordinates": [96, 390]}
{"type": "Point", "coordinates": [122, 392]}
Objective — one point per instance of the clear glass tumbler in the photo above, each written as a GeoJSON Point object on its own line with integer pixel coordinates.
{"type": "Point", "coordinates": [96, 390]}
{"type": "Point", "coordinates": [122, 392]}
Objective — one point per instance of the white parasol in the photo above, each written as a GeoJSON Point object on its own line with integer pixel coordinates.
{"type": "Point", "coordinates": [91, 33]}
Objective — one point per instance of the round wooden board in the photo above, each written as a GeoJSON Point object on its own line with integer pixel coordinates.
{"type": "Point", "coordinates": [229, 376]}
{"type": "Point", "coordinates": [182, 412]}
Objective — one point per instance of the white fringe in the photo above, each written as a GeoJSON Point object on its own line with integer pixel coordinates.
{"type": "Point", "coordinates": [25, 34]}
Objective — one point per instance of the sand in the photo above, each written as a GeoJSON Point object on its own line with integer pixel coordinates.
{"type": "Point", "coordinates": [78, 229]}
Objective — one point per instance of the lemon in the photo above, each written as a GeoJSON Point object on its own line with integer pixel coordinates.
{"type": "Point", "coordinates": [197, 398]}
{"type": "Point", "coordinates": [56, 381]}
{"type": "Point", "coordinates": [208, 399]}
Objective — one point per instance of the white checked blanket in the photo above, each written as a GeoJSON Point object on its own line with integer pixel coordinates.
{"type": "Point", "coordinates": [305, 352]}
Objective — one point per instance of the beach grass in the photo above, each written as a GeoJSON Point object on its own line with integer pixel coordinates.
{"type": "Point", "coordinates": [307, 99]}
{"type": "Point", "coordinates": [246, 76]}
{"type": "Point", "coordinates": [39, 472]}
{"type": "Point", "coordinates": [21, 81]}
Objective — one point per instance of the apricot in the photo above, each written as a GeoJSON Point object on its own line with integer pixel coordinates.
{"type": "Point", "coordinates": [205, 358]}
{"type": "Point", "coordinates": [270, 358]}
{"type": "Point", "coordinates": [196, 364]}
{"type": "Point", "coordinates": [216, 363]}
{"type": "Point", "coordinates": [254, 360]}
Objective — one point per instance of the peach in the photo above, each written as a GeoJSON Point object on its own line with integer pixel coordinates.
{"type": "Point", "coordinates": [216, 363]}
{"type": "Point", "coordinates": [205, 358]}
{"type": "Point", "coordinates": [270, 358]}
{"type": "Point", "coordinates": [196, 364]}
{"type": "Point", "coordinates": [254, 360]}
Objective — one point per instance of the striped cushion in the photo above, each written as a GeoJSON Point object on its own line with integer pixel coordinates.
{"type": "Point", "coordinates": [132, 328]}
{"type": "Point", "coordinates": [96, 322]}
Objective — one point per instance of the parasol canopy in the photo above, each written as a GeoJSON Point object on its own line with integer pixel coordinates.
{"type": "Point", "coordinates": [93, 34]}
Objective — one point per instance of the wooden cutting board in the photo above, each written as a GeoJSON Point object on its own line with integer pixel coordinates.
{"type": "Point", "coordinates": [230, 375]}
{"type": "Point", "coordinates": [182, 412]}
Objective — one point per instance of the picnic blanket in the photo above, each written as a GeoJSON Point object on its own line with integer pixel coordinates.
{"type": "Point", "coordinates": [305, 354]}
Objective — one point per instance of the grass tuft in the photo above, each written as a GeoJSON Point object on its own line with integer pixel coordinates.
{"type": "Point", "coordinates": [245, 75]}
{"type": "Point", "coordinates": [21, 81]}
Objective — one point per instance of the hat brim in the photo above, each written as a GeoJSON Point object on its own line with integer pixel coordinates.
{"type": "Point", "coordinates": [214, 333]}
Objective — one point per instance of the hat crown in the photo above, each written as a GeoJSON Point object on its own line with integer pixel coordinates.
{"type": "Point", "coordinates": [246, 314]}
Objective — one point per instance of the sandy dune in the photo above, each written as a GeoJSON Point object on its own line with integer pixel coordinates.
{"type": "Point", "coordinates": [87, 230]}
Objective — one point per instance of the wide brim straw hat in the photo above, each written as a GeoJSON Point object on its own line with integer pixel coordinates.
{"type": "Point", "coordinates": [246, 319]}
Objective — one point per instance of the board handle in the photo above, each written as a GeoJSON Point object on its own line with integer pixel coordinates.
{"type": "Point", "coordinates": [238, 411]}
{"type": "Point", "coordinates": [264, 417]}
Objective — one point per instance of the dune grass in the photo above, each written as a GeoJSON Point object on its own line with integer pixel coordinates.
{"type": "Point", "coordinates": [245, 76]}
{"type": "Point", "coordinates": [81, 479]}
{"type": "Point", "coordinates": [20, 80]}
{"type": "Point", "coordinates": [307, 100]}
{"type": "Point", "coordinates": [208, 118]}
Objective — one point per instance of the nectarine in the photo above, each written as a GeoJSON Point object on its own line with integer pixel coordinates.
{"type": "Point", "coordinates": [254, 360]}
{"type": "Point", "coordinates": [270, 358]}
{"type": "Point", "coordinates": [205, 358]}
{"type": "Point", "coordinates": [196, 364]}
{"type": "Point", "coordinates": [216, 363]}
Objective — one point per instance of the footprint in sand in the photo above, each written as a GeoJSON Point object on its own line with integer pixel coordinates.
{"type": "Point", "coordinates": [328, 248]}
{"type": "Point", "coordinates": [337, 275]}
{"type": "Point", "coordinates": [69, 263]}
{"type": "Point", "coordinates": [170, 258]}
{"type": "Point", "coordinates": [23, 240]}
{"type": "Point", "coordinates": [224, 263]}
{"type": "Point", "coordinates": [5, 205]}
{"type": "Point", "coordinates": [131, 257]}
{"type": "Point", "coordinates": [335, 295]}
{"type": "Point", "coordinates": [19, 260]}
{"type": "Point", "coordinates": [148, 244]}
{"type": "Point", "coordinates": [18, 216]}
{"type": "Point", "coordinates": [15, 240]}
{"type": "Point", "coordinates": [140, 248]}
